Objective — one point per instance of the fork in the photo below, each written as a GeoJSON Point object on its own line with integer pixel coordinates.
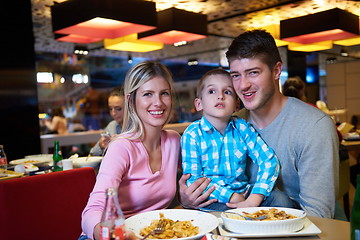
{"type": "Point", "coordinates": [246, 218]}
{"type": "Point", "coordinates": [160, 227]}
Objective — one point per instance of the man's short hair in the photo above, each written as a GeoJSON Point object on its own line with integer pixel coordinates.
{"type": "Point", "coordinates": [254, 43]}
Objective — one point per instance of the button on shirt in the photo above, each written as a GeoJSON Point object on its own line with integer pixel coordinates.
{"type": "Point", "coordinates": [206, 152]}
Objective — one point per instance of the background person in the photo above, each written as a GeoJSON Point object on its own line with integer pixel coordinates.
{"type": "Point", "coordinates": [295, 87]}
{"type": "Point", "coordinates": [142, 161]}
{"type": "Point", "coordinates": [116, 109]}
{"type": "Point", "coordinates": [217, 146]}
{"type": "Point", "coordinates": [303, 137]}
{"type": "Point", "coordinates": [58, 123]}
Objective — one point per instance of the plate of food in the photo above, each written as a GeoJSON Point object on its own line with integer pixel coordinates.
{"type": "Point", "coordinates": [91, 161]}
{"type": "Point", "coordinates": [264, 220]}
{"type": "Point", "coordinates": [11, 175]}
{"type": "Point", "coordinates": [35, 161]}
{"type": "Point", "coordinates": [48, 157]}
{"type": "Point", "coordinates": [353, 136]}
{"type": "Point", "coordinates": [181, 224]}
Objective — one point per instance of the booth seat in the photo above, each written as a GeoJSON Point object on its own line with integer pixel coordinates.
{"type": "Point", "coordinates": [46, 206]}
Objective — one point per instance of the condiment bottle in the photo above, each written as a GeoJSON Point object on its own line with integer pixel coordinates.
{"type": "Point", "coordinates": [112, 225]}
{"type": "Point", "coordinates": [57, 157]}
{"type": "Point", "coordinates": [355, 213]}
{"type": "Point", "coordinates": [3, 162]}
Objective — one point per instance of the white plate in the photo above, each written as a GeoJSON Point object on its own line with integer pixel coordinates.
{"type": "Point", "coordinates": [86, 162]}
{"type": "Point", "coordinates": [41, 156]}
{"type": "Point", "coordinates": [205, 221]}
{"type": "Point", "coordinates": [275, 226]}
{"type": "Point", "coordinates": [33, 161]}
{"type": "Point", "coordinates": [309, 229]}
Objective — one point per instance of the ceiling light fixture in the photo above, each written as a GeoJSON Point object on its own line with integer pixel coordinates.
{"type": "Point", "coordinates": [344, 52]}
{"type": "Point", "coordinates": [319, 46]}
{"type": "Point", "coordinates": [348, 42]}
{"type": "Point", "coordinates": [274, 30]}
{"type": "Point", "coordinates": [333, 24]}
{"type": "Point", "coordinates": [130, 60]}
{"type": "Point", "coordinates": [76, 38]}
{"type": "Point", "coordinates": [81, 50]}
{"type": "Point", "coordinates": [131, 43]}
{"type": "Point", "coordinates": [103, 18]}
{"type": "Point", "coordinates": [182, 43]}
{"type": "Point", "coordinates": [177, 25]}
{"type": "Point", "coordinates": [193, 62]}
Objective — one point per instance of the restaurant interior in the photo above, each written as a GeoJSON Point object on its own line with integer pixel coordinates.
{"type": "Point", "coordinates": [44, 65]}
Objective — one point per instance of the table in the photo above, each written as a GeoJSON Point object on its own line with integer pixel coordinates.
{"type": "Point", "coordinates": [69, 139]}
{"type": "Point", "coordinates": [351, 145]}
{"type": "Point", "coordinates": [331, 229]}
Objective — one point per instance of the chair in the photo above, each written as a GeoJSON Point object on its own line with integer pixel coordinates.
{"type": "Point", "coordinates": [344, 185]}
{"type": "Point", "coordinates": [46, 206]}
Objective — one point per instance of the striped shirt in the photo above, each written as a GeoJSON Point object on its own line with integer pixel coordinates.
{"type": "Point", "coordinates": [206, 152]}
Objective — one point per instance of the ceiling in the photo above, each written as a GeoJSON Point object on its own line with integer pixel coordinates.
{"type": "Point", "coordinates": [226, 19]}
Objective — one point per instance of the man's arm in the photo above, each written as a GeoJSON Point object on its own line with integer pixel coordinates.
{"type": "Point", "coordinates": [192, 196]}
{"type": "Point", "coordinates": [318, 169]}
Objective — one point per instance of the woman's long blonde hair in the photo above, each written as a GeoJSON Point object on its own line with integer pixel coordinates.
{"type": "Point", "coordinates": [135, 78]}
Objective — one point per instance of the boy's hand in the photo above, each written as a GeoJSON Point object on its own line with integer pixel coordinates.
{"type": "Point", "coordinates": [236, 198]}
{"type": "Point", "coordinates": [254, 200]}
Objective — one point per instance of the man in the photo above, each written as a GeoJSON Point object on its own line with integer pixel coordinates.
{"type": "Point", "coordinates": [303, 137]}
{"type": "Point", "coordinates": [116, 108]}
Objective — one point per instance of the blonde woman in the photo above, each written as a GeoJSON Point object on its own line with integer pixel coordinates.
{"type": "Point", "coordinates": [142, 161]}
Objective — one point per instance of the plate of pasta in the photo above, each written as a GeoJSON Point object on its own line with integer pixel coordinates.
{"type": "Point", "coordinates": [180, 224]}
{"type": "Point", "coordinates": [273, 220]}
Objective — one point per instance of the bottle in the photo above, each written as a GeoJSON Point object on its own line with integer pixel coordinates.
{"type": "Point", "coordinates": [355, 213]}
{"type": "Point", "coordinates": [3, 162]}
{"type": "Point", "coordinates": [112, 225]}
{"type": "Point", "coordinates": [57, 157]}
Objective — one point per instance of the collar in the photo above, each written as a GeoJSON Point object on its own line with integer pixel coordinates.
{"type": "Point", "coordinates": [208, 127]}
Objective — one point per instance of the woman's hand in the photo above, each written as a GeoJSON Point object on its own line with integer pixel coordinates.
{"type": "Point", "coordinates": [192, 196]}
{"type": "Point", "coordinates": [104, 141]}
{"type": "Point", "coordinates": [97, 232]}
{"type": "Point", "coordinates": [129, 234]}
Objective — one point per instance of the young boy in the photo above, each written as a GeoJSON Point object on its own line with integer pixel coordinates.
{"type": "Point", "coordinates": [217, 146]}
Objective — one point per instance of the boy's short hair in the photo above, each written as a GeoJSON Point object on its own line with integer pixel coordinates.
{"type": "Point", "coordinates": [201, 84]}
{"type": "Point", "coordinates": [254, 43]}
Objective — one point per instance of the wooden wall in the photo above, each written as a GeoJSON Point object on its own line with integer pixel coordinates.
{"type": "Point", "coordinates": [19, 124]}
{"type": "Point", "coordinates": [343, 88]}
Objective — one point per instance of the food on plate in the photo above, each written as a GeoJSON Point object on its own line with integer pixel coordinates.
{"type": "Point", "coordinates": [41, 161]}
{"type": "Point", "coordinates": [31, 161]}
{"type": "Point", "coordinates": [173, 229]}
{"type": "Point", "coordinates": [263, 215]}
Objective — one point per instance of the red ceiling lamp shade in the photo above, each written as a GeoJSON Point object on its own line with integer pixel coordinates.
{"type": "Point", "coordinates": [76, 38]}
{"type": "Point", "coordinates": [176, 25]}
{"type": "Point", "coordinates": [333, 24]}
{"type": "Point", "coordinates": [99, 19]}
